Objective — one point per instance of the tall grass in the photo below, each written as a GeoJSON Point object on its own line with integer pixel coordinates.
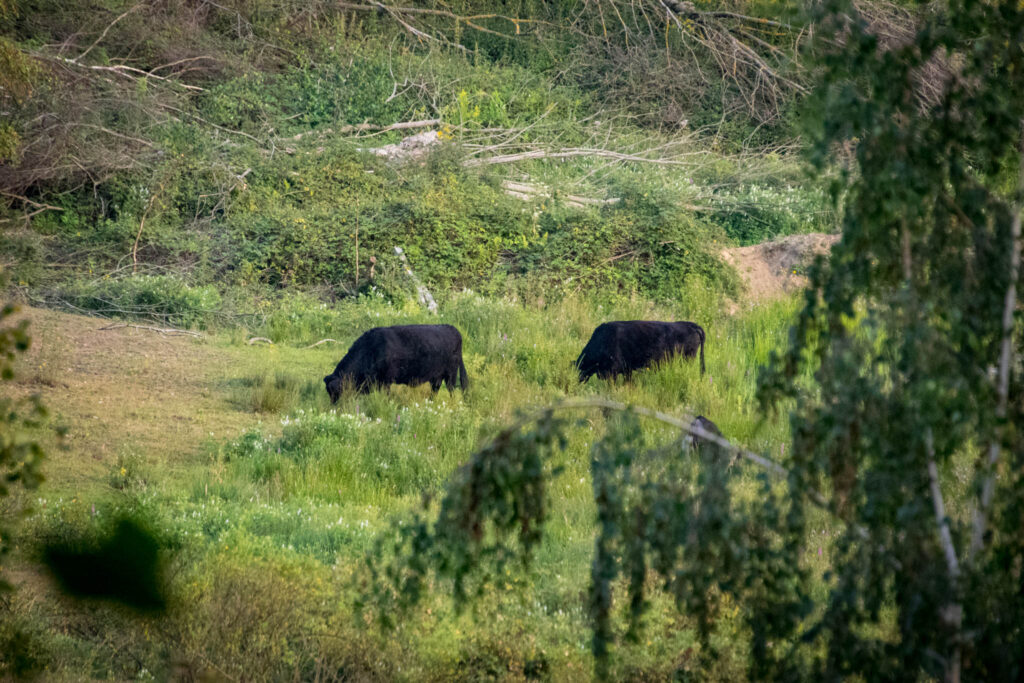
{"type": "Point", "coordinates": [275, 392]}
{"type": "Point", "coordinates": [273, 529]}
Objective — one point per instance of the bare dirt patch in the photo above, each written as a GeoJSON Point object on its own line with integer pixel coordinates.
{"type": "Point", "coordinates": [774, 269]}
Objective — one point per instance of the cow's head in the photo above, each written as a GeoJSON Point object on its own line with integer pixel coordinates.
{"type": "Point", "coordinates": [334, 384]}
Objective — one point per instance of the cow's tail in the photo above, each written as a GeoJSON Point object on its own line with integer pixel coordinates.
{"type": "Point", "coordinates": [701, 351]}
{"type": "Point", "coordinates": [463, 377]}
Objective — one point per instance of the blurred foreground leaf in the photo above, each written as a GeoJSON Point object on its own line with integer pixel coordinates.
{"type": "Point", "coordinates": [123, 566]}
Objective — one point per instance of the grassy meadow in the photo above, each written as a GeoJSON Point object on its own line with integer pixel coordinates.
{"type": "Point", "coordinates": [268, 498]}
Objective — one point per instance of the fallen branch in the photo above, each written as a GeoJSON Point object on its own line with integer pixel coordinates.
{"type": "Point", "coordinates": [162, 330]}
{"type": "Point", "coordinates": [322, 341]}
{"type": "Point", "coordinates": [423, 294]}
{"type": "Point", "coordinates": [364, 127]}
{"type": "Point", "coordinates": [129, 72]}
{"type": "Point", "coordinates": [953, 612]}
{"type": "Point", "coordinates": [103, 35]}
{"type": "Point", "coordinates": [685, 423]}
{"type": "Point", "coordinates": [39, 208]}
{"type": "Point", "coordinates": [470, 20]}
{"type": "Point", "coordinates": [528, 191]}
{"type": "Point", "coordinates": [253, 340]}
{"type": "Point", "coordinates": [142, 223]}
{"type": "Point", "coordinates": [576, 152]}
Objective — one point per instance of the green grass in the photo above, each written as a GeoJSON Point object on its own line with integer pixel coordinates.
{"type": "Point", "coordinates": [271, 522]}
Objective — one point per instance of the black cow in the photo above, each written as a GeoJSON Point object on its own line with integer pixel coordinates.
{"type": "Point", "coordinates": [403, 354]}
{"type": "Point", "coordinates": [619, 348]}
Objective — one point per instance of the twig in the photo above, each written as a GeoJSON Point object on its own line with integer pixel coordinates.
{"type": "Point", "coordinates": [39, 207]}
{"type": "Point", "coordinates": [322, 341]}
{"type": "Point", "coordinates": [125, 71]}
{"type": "Point", "coordinates": [161, 330]}
{"type": "Point", "coordinates": [253, 340]}
{"type": "Point", "coordinates": [142, 223]}
{"type": "Point", "coordinates": [103, 35]}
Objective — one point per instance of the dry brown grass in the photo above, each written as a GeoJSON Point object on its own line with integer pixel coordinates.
{"type": "Point", "coordinates": [135, 390]}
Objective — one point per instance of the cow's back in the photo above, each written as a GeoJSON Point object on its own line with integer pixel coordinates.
{"type": "Point", "coordinates": [622, 346]}
{"type": "Point", "coordinates": [644, 342]}
{"type": "Point", "coordinates": [688, 337]}
{"type": "Point", "coordinates": [410, 354]}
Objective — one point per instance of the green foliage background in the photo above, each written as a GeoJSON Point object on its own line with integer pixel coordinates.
{"type": "Point", "coordinates": [230, 158]}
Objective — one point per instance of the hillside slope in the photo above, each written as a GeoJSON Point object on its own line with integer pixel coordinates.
{"type": "Point", "coordinates": [242, 148]}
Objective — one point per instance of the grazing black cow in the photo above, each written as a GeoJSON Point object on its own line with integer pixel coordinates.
{"type": "Point", "coordinates": [403, 354]}
{"type": "Point", "coordinates": [619, 348]}
{"type": "Point", "coordinates": [708, 426]}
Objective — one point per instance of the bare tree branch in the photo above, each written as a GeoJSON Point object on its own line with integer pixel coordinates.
{"type": "Point", "coordinates": [124, 71]}
{"type": "Point", "coordinates": [103, 35]}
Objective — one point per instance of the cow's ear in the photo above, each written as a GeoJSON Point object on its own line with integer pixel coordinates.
{"type": "Point", "coordinates": [327, 379]}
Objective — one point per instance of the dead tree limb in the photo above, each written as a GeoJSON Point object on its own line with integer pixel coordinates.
{"type": "Point", "coordinates": [366, 127]}
{"type": "Point", "coordinates": [162, 330]}
{"type": "Point", "coordinates": [322, 341]}
{"type": "Point", "coordinates": [124, 71]}
{"type": "Point", "coordinates": [39, 208]}
{"type": "Point", "coordinates": [104, 34]}
{"type": "Point", "coordinates": [142, 223]}
{"type": "Point", "coordinates": [577, 152]}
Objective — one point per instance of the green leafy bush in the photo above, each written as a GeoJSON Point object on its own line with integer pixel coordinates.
{"type": "Point", "coordinates": [164, 298]}
{"type": "Point", "coordinates": [757, 213]}
{"type": "Point", "coordinates": [643, 245]}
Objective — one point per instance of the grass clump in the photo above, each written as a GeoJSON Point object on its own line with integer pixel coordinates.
{"type": "Point", "coordinates": [275, 392]}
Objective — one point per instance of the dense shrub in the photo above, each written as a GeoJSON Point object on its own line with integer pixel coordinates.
{"type": "Point", "coordinates": [757, 213]}
{"type": "Point", "coordinates": [164, 298]}
{"type": "Point", "coordinates": [643, 245]}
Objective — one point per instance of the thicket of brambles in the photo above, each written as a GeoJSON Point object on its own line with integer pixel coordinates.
{"type": "Point", "coordinates": [194, 161]}
{"type": "Point", "coordinates": [615, 147]}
